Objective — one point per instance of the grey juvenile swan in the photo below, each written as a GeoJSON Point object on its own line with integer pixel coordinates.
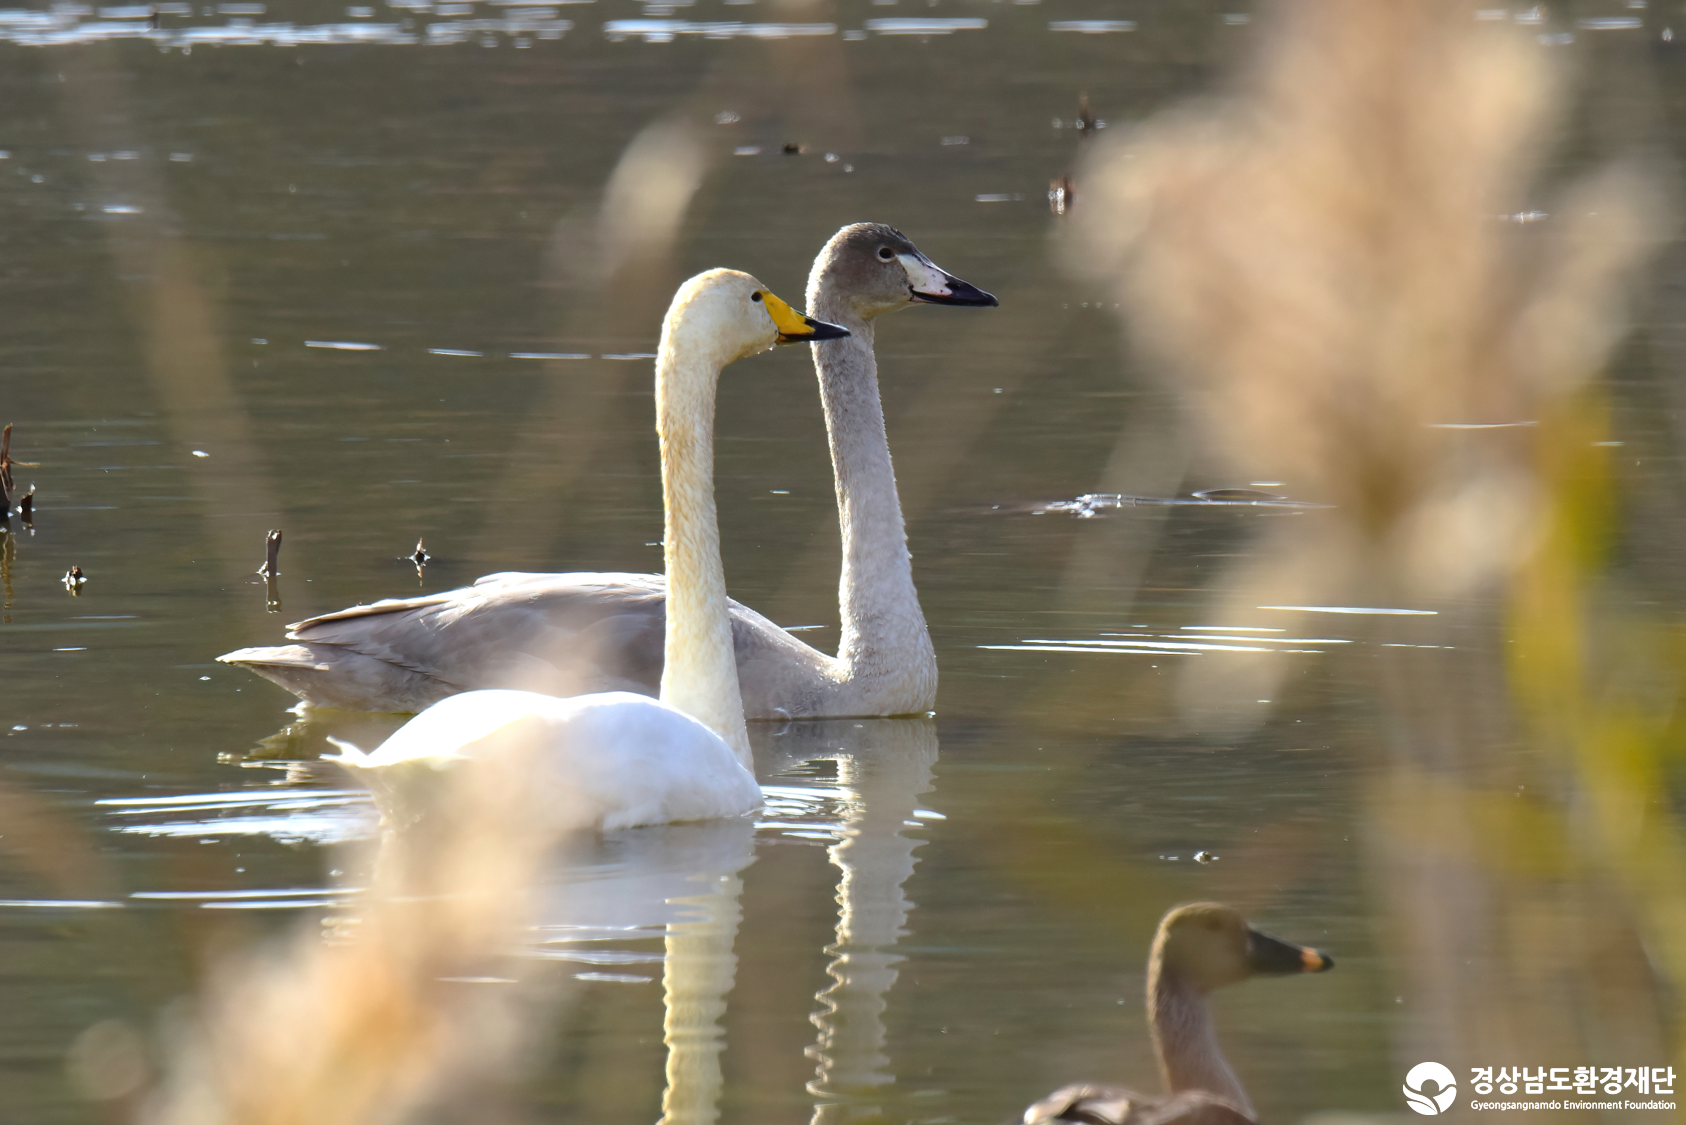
{"type": "Point", "coordinates": [569, 634]}
{"type": "Point", "coordinates": [1198, 948]}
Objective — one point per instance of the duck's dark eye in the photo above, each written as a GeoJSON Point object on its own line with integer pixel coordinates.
{"type": "Point", "coordinates": [885, 253]}
{"type": "Point", "coordinates": [755, 296]}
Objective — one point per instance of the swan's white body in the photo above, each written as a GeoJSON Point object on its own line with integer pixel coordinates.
{"type": "Point", "coordinates": [615, 759]}
{"type": "Point", "coordinates": [607, 760]}
{"type": "Point", "coordinates": [577, 632]}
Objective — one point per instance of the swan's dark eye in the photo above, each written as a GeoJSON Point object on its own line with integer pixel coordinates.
{"type": "Point", "coordinates": [885, 253]}
{"type": "Point", "coordinates": [755, 296]}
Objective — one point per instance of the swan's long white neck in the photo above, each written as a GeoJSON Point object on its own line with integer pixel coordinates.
{"type": "Point", "coordinates": [700, 676]}
{"type": "Point", "coordinates": [883, 629]}
{"type": "Point", "coordinates": [1186, 1040]}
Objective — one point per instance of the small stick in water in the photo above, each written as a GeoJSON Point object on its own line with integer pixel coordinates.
{"type": "Point", "coordinates": [6, 471]}
{"type": "Point", "coordinates": [1062, 196]}
{"type": "Point", "coordinates": [421, 558]}
{"type": "Point", "coordinates": [26, 506]}
{"type": "Point", "coordinates": [270, 569]}
{"type": "Point", "coordinates": [272, 554]}
{"type": "Point", "coordinates": [1085, 117]}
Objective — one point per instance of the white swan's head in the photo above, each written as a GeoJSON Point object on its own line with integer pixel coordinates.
{"type": "Point", "coordinates": [730, 315]}
{"type": "Point", "coordinates": [1209, 945]}
{"type": "Point", "coordinates": [877, 269]}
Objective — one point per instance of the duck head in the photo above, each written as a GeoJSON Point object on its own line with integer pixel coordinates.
{"type": "Point", "coordinates": [1210, 945]}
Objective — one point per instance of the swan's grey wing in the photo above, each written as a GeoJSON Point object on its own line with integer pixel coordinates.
{"type": "Point", "coordinates": [1090, 1104]}
{"type": "Point", "coordinates": [560, 634]}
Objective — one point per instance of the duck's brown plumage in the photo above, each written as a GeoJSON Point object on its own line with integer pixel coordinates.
{"type": "Point", "coordinates": [1198, 947]}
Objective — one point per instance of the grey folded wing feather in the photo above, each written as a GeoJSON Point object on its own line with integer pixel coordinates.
{"type": "Point", "coordinates": [1090, 1104]}
{"type": "Point", "coordinates": [562, 634]}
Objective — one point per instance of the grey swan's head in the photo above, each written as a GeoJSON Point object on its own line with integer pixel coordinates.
{"type": "Point", "coordinates": [874, 269]}
{"type": "Point", "coordinates": [1209, 945]}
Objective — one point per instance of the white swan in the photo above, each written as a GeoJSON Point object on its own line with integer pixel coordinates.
{"type": "Point", "coordinates": [1198, 948]}
{"type": "Point", "coordinates": [616, 759]}
{"type": "Point", "coordinates": [571, 633]}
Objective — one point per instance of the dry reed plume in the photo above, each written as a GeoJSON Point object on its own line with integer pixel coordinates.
{"type": "Point", "coordinates": [1337, 258]}
{"type": "Point", "coordinates": [378, 1022]}
{"type": "Point", "coordinates": [1349, 263]}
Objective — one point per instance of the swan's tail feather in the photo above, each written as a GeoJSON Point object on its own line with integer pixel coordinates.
{"type": "Point", "coordinates": [350, 754]}
{"type": "Point", "coordinates": [341, 678]}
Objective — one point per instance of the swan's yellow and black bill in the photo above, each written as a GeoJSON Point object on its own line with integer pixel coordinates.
{"type": "Point", "coordinates": [794, 328]}
{"type": "Point", "coordinates": [1272, 956]}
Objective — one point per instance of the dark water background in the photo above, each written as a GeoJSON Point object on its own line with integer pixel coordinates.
{"type": "Point", "coordinates": [174, 228]}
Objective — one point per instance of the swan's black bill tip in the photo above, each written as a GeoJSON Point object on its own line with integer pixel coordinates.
{"type": "Point", "coordinates": [960, 293]}
{"type": "Point", "coordinates": [812, 331]}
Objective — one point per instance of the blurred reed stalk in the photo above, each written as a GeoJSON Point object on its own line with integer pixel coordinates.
{"type": "Point", "coordinates": [1347, 263]}
{"type": "Point", "coordinates": [406, 1008]}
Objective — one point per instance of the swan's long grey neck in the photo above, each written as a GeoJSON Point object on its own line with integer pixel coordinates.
{"type": "Point", "coordinates": [1189, 1056]}
{"type": "Point", "coordinates": [700, 672]}
{"type": "Point", "coordinates": [883, 630]}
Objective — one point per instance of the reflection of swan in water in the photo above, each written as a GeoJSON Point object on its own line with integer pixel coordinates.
{"type": "Point", "coordinates": [1198, 948]}
{"type": "Point", "coordinates": [698, 973]}
{"type": "Point", "coordinates": [883, 767]}
{"type": "Point", "coordinates": [688, 876]}
{"type": "Point", "coordinates": [632, 884]}
{"type": "Point", "coordinates": [616, 759]}
{"type": "Point", "coordinates": [683, 881]}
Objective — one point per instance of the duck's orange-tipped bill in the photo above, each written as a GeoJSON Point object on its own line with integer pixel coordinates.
{"type": "Point", "coordinates": [1272, 956]}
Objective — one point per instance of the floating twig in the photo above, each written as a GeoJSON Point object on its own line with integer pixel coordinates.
{"type": "Point", "coordinates": [421, 558]}
{"type": "Point", "coordinates": [6, 471]}
{"type": "Point", "coordinates": [272, 554]}
{"type": "Point", "coordinates": [271, 569]}
{"type": "Point", "coordinates": [1086, 124]}
{"type": "Point", "coordinates": [1061, 195]}
{"type": "Point", "coordinates": [26, 507]}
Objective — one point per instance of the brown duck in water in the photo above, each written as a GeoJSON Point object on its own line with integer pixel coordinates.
{"type": "Point", "coordinates": [1198, 948]}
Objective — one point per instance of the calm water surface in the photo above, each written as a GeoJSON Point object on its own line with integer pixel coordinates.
{"type": "Point", "coordinates": [254, 284]}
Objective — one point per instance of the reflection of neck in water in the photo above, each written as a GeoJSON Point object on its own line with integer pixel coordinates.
{"type": "Point", "coordinates": [883, 767]}
{"type": "Point", "coordinates": [700, 967]}
{"type": "Point", "coordinates": [684, 879]}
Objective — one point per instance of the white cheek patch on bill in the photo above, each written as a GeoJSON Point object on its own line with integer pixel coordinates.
{"type": "Point", "coordinates": [925, 277]}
